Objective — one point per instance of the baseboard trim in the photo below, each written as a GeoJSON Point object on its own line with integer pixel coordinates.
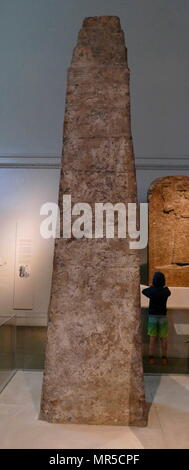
{"type": "Point", "coordinates": [168, 163]}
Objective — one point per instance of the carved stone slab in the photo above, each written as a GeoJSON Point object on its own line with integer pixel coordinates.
{"type": "Point", "coordinates": [93, 369]}
{"type": "Point", "coordinates": [168, 199]}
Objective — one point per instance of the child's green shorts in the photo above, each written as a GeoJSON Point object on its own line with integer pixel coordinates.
{"type": "Point", "coordinates": [158, 326]}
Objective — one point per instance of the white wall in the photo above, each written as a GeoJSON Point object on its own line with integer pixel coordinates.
{"type": "Point", "coordinates": [22, 192]}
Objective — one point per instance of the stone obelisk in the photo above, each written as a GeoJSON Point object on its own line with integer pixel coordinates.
{"type": "Point", "coordinates": [93, 368]}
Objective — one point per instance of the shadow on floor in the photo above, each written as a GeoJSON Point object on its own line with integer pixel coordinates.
{"type": "Point", "coordinates": [169, 396]}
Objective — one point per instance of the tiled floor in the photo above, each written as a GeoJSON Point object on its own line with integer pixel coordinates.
{"type": "Point", "coordinates": [168, 424]}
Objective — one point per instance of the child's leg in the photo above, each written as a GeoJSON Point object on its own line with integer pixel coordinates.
{"type": "Point", "coordinates": [164, 346]}
{"type": "Point", "coordinates": [152, 332]}
{"type": "Point", "coordinates": [152, 345]}
{"type": "Point", "coordinates": [163, 339]}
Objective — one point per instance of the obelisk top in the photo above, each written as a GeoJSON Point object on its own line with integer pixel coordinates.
{"type": "Point", "coordinates": [112, 22]}
{"type": "Point", "coordinates": [100, 43]}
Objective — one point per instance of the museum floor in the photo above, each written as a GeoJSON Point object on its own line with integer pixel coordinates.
{"type": "Point", "coordinates": [31, 352]}
{"type": "Point", "coordinates": [168, 425]}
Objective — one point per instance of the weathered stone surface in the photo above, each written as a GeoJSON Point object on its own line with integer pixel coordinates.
{"type": "Point", "coordinates": [108, 154]}
{"type": "Point", "coordinates": [169, 229]}
{"type": "Point", "coordinates": [105, 84]}
{"type": "Point", "coordinates": [93, 369]}
{"type": "Point", "coordinates": [89, 121]}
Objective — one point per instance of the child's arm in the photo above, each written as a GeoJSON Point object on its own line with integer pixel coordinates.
{"type": "Point", "coordinates": [168, 292]}
{"type": "Point", "coordinates": [146, 291]}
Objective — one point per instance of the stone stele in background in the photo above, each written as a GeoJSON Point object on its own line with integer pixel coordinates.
{"type": "Point", "coordinates": [168, 199]}
{"type": "Point", "coordinates": [93, 368]}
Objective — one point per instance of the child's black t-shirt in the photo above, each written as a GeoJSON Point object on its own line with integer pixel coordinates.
{"type": "Point", "coordinates": [158, 299]}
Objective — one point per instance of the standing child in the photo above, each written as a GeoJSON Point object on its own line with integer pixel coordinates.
{"type": "Point", "coordinates": [158, 294]}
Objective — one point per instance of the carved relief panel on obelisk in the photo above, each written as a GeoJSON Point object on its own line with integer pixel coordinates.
{"type": "Point", "coordinates": [93, 368]}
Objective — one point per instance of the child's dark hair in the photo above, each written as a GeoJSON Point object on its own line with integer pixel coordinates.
{"type": "Point", "coordinates": [158, 279]}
